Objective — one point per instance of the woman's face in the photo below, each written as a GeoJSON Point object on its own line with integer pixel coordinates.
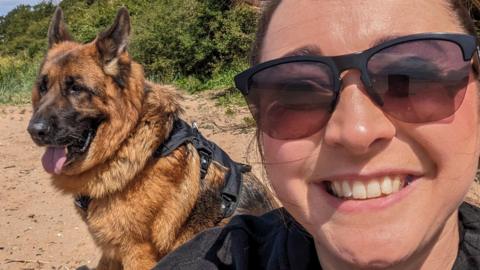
{"type": "Point", "coordinates": [362, 144]}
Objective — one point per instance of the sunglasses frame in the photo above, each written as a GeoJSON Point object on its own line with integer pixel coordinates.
{"type": "Point", "coordinates": [358, 60]}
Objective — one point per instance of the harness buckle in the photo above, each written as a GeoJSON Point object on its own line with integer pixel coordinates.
{"type": "Point", "coordinates": [228, 204]}
{"type": "Point", "coordinates": [205, 160]}
{"type": "Point", "coordinates": [203, 150]}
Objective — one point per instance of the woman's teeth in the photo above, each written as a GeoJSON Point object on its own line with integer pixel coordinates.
{"type": "Point", "coordinates": [360, 190]}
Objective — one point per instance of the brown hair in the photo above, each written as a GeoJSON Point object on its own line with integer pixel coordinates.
{"type": "Point", "coordinates": [465, 10]}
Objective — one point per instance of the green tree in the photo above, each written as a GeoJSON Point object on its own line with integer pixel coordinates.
{"type": "Point", "coordinates": [173, 39]}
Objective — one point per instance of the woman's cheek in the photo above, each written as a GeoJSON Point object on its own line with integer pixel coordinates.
{"type": "Point", "coordinates": [288, 152]}
{"type": "Point", "coordinates": [288, 164]}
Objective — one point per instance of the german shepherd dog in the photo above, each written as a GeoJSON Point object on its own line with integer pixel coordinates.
{"type": "Point", "coordinates": [101, 123]}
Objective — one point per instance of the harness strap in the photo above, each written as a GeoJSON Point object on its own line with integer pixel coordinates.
{"type": "Point", "coordinates": [181, 134]}
{"type": "Point", "coordinates": [208, 151]}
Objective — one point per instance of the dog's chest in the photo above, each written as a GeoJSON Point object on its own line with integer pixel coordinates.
{"type": "Point", "coordinates": [112, 222]}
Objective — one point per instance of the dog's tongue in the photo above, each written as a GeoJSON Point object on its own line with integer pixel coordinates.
{"type": "Point", "coordinates": [53, 159]}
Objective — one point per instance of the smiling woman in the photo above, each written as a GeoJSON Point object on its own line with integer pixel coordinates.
{"type": "Point", "coordinates": [368, 118]}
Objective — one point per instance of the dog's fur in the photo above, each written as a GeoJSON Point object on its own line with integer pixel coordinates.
{"type": "Point", "coordinates": [142, 207]}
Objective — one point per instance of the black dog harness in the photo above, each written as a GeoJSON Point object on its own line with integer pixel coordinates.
{"type": "Point", "coordinates": [181, 134]}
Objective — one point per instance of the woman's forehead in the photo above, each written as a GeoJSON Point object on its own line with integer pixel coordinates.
{"type": "Point", "coordinates": [343, 26]}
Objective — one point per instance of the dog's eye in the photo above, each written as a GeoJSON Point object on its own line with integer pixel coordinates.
{"type": "Point", "coordinates": [43, 87]}
{"type": "Point", "coordinates": [75, 89]}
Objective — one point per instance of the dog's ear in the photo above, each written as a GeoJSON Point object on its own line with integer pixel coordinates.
{"type": "Point", "coordinates": [57, 32]}
{"type": "Point", "coordinates": [112, 42]}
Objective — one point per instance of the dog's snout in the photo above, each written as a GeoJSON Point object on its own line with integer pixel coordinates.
{"type": "Point", "coordinates": [39, 128]}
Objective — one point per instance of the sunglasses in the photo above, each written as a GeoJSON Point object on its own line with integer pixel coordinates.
{"type": "Point", "coordinates": [415, 79]}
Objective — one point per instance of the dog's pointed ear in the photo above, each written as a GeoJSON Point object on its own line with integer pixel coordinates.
{"type": "Point", "coordinates": [57, 32]}
{"type": "Point", "coordinates": [112, 42]}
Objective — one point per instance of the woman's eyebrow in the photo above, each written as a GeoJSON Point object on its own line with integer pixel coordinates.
{"type": "Point", "coordinates": [388, 38]}
{"type": "Point", "coordinates": [315, 50]}
{"type": "Point", "coordinates": [304, 51]}
{"type": "Point", "coordinates": [383, 39]}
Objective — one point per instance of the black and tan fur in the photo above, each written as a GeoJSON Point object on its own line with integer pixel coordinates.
{"type": "Point", "coordinates": [143, 207]}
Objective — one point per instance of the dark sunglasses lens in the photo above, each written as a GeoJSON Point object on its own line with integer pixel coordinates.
{"type": "Point", "coordinates": [420, 81]}
{"type": "Point", "coordinates": [292, 100]}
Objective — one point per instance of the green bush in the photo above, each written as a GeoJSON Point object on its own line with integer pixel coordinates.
{"type": "Point", "coordinates": [16, 80]}
{"type": "Point", "coordinates": [191, 38]}
{"type": "Point", "coordinates": [221, 78]}
{"type": "Point", "coordinates": [24, 30]}
{"type": "Point", "coordinates": [195, 44]}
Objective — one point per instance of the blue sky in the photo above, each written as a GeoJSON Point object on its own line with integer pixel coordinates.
{"type": "Point", "coordinates": [7, 5]}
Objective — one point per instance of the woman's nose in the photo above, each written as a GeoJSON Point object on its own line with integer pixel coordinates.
{"type": "Point", "coordinates": [357, 124]}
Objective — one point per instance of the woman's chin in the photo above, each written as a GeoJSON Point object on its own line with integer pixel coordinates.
{"type": "Point", "coordinates": [373, 253]}
{"type": "Point", "coordinates": [379, 240]}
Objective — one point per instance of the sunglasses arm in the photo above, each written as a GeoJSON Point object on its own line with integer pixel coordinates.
{"type": "Point", "coordinates": [476, 61]}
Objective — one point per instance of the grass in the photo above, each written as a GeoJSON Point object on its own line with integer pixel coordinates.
{"type": "Point", "coordinates": [16, 80]}
{"type": "Point", "coordinates": [15, 94]}
{"type": "Point", "coordinates": [231, 97]}
{"type": "Point", "coordinates": [222, 78]}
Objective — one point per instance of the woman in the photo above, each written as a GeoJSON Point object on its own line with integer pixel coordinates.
{"type": "Point", "coordinates": [371, 151]}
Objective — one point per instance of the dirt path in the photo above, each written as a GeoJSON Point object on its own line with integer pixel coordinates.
{"type": "Point", "coordinates": [39, 228]}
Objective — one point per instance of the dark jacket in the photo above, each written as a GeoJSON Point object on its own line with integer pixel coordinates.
{"type": "Point", "coordinates": [276, 242]}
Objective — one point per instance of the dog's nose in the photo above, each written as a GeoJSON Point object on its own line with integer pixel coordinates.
{"type": "Point", "coordinates": [38, 128]}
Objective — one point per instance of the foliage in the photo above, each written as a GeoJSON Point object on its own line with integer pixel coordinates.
{"type": "Point", "coordinates": [16, 79]}
{"type": "Point", "coordinates": [190, 38]}
{"type": "Point", "coordinates": [196, 44]}
{"type": "Point", "coordinates": [24, 30]}
{"type": "Point", "coordinates": [221, 78]}
{"type": "Point", "coordinates": [230, 97]}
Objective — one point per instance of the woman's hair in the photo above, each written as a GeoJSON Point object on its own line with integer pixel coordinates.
{"type": "Point", "coordinates": [464, 10]}
{"type": "Point", "coordinates": [262, 27]}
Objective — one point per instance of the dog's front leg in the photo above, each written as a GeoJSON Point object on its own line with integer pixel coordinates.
{"type": "Point", "coordinates": [139, 256]}
{"type": "Point", "coordinates": [106, 263]}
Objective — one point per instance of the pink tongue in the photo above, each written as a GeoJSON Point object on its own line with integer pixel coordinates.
{"type": "Point", "coordinates": [53, 159]}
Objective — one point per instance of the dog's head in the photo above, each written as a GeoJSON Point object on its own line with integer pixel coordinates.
{"type": "Point", "coordinates": [87, 97]}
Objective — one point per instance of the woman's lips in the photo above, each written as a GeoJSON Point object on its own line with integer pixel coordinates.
{"type": "Point", "coordinates": [367, 194]}
{"type": "Point", "coordinates": [371, 188]}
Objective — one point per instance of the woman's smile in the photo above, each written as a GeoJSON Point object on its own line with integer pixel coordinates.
{"type": "Point", "coordinates": [369, 188]}
{"type": "Point", "coordinates": [364, 193]}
